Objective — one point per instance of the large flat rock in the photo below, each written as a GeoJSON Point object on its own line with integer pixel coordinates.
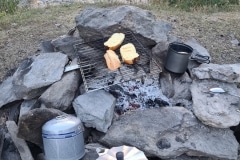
{"type": "Point", "coordinates": [20, 144]}
{"type": "Point", "coordinates": [65, 44]}
{"type": "Point", "coordinates": [169, 132]}
{"type": "Point", "coordinates": [61, 94]}
{"type": "Point", "coordinates": [95, 109]}
{"type": "Point", "coordinates": [226, 72]}
{"type": "Point", "coordinates": [216, 110]}
{"type": "Point", "coordinates": [30, 124]}
{"type": "Point", "coordinates": [94, 23]}
{"type": "Point", "coordinates": [38, 72]}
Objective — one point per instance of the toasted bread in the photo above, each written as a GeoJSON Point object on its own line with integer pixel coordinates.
{"type": "Point", "coordinates": [112, 60]}
{"type": "Point", "coordinates": [129, 54]}
{"type": "Point", "coordinates": [115, 41]}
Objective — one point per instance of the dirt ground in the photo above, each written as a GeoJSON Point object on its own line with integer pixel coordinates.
{"type": "Point", "coordinates": [213, 31]}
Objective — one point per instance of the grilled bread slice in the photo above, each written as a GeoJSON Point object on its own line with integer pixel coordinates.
{"type": "Point", "coordinates": [115, 41]}
{"type": "Point", "coordinates": [129, 54]}
{"type": "Point", "coordinates": [112, 60]}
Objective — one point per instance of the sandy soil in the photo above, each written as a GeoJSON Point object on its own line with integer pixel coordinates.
{"type": "Point", "coordinates": [213, 31]}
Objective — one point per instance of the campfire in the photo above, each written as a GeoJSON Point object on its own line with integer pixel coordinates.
{"type": "Point", "coordinates": [163, 114]}
{"type": "Point", "coordinates": [95, 73]}
{"type": "Point", "coordinates": [134, 86]}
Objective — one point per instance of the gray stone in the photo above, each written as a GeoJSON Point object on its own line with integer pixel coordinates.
{"type": "Point", "coordinates": [236, 130]}
{"type": "Point", "coordinates": [65, 44]}
{"type": "Point", "coordinates": [238, 156]}
{"type": "Point", "coordinates": [1, 140]}
{"type": "Point", "coordinates": [96, 135]}
{"type": "Point", "coordinates": [172, 38]}
{"type": "Point", "coordinates": [94, 23]}
{"type": "Point", "coordinates": [23, 4]}
{"type": "Point", "coordinates": [181, 86]}
{"type": "Point", "coordinates": [10, 112]}
{"type": "Point", "coordinates": [159, 52]}
{"type": "Point", "coordinates": [30, 124]}
{"type": "Point", "coordinates": [33, 3]}
{"type": "Point", "coordinates": [160, 48]}
{"type": "Point", "coordinates": [61, 94]}
{"type": "Point", "coordinates": [35, 74]}
{"type": "Point", "coordinates": [90, 155]}
{"type": "Point", "coordinates": [10, 155]}
{"type": "Point", "coordinates": [7, 94]}
{"type": "Point", "coordinates": [198, 50]}
{"type": "Point", "coordinates": [28, 105]}
{"type": "Point", "coordinates": [41, 156]}
{"type": "Point", "coordinates": [191, 65]}
{"type": "Point", "coordinates": [90, 150]}
{"type": "Point", "coordinates": [9, 151]}
{"type": "Point", "coordinates": [169, 132]}
{"type": "Point", "coordinates": [175, 87]}
{"type": "Point", "coordinates": [21, 145]}
{"type": "Point", "coordinates": [234, 41]}
{"type": "Point", "coordinates": [185, 157]}
{"type": "Point", "coordinates": [95, 109]}
{"type": "Point", "coordinates": [82, 89]}
{"type": "Point", "coordinates": [46, 46]}
{"type": "Point", "coordinates": [182, 103]}
{"type": "Point", "coordinates": [225, 72]}
{"type": "Point", "coordinates": [216, 110]}
{"type": "Point", "coordinates": [166, 84]}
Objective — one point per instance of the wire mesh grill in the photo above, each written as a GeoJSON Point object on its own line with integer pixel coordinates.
{"type": "Point", "coordinates": [95, 72]}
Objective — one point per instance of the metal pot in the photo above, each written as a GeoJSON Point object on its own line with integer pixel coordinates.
{"type": "Point", "coordinates": [63, 138]}
{"type": "Point", "coordinates": [177, 57]}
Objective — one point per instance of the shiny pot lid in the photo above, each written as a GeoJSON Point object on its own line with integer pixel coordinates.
{"type": "Point", "coordinates": [62, 124]}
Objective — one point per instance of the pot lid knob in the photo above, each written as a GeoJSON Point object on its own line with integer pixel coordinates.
{"type": "Point", "coordinates": [119, 156]}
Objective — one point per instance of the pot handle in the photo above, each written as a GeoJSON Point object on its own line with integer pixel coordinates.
{"type": "Point", "coordinates": [200, 58]}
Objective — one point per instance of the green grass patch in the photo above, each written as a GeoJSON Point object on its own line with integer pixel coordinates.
{"type": "Point", "coordinates": [8, 6]}
{"type": "Point", "coordinates": [200, 5]}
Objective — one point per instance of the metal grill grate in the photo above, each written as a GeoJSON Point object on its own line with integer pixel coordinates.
{"type": "Point", "coordinates": [94, 70]}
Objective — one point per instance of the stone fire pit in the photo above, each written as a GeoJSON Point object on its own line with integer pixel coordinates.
{"type": "Point", "coordinates": [166, 116]}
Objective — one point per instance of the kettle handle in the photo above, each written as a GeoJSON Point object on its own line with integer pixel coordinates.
{"type": "Point", "coordinates": [200, 58]}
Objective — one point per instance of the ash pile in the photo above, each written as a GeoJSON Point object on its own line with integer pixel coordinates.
{"type": "Point", "coordinates": [140, 93]}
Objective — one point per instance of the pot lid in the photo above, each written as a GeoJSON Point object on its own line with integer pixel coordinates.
{"type": "Point", "coordinates": [129, 153]}
{"type": "Point", "coordinates": [62, 124]}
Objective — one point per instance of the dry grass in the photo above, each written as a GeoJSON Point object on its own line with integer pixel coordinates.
{"type": "Point", "coordinates": [21, 33]}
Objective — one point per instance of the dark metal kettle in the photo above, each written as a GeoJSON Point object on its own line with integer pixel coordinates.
{"type": "Point", "coordinates": [177, 57]}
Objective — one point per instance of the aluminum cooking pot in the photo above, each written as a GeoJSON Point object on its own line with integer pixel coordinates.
{"type": "Point", "coordinates": [63, 138]}
{"type": "Point", "coordinates": [177, 57]}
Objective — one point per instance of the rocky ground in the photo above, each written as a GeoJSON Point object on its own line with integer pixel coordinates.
{"type": "Point", "coordinates": [218, 32]}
